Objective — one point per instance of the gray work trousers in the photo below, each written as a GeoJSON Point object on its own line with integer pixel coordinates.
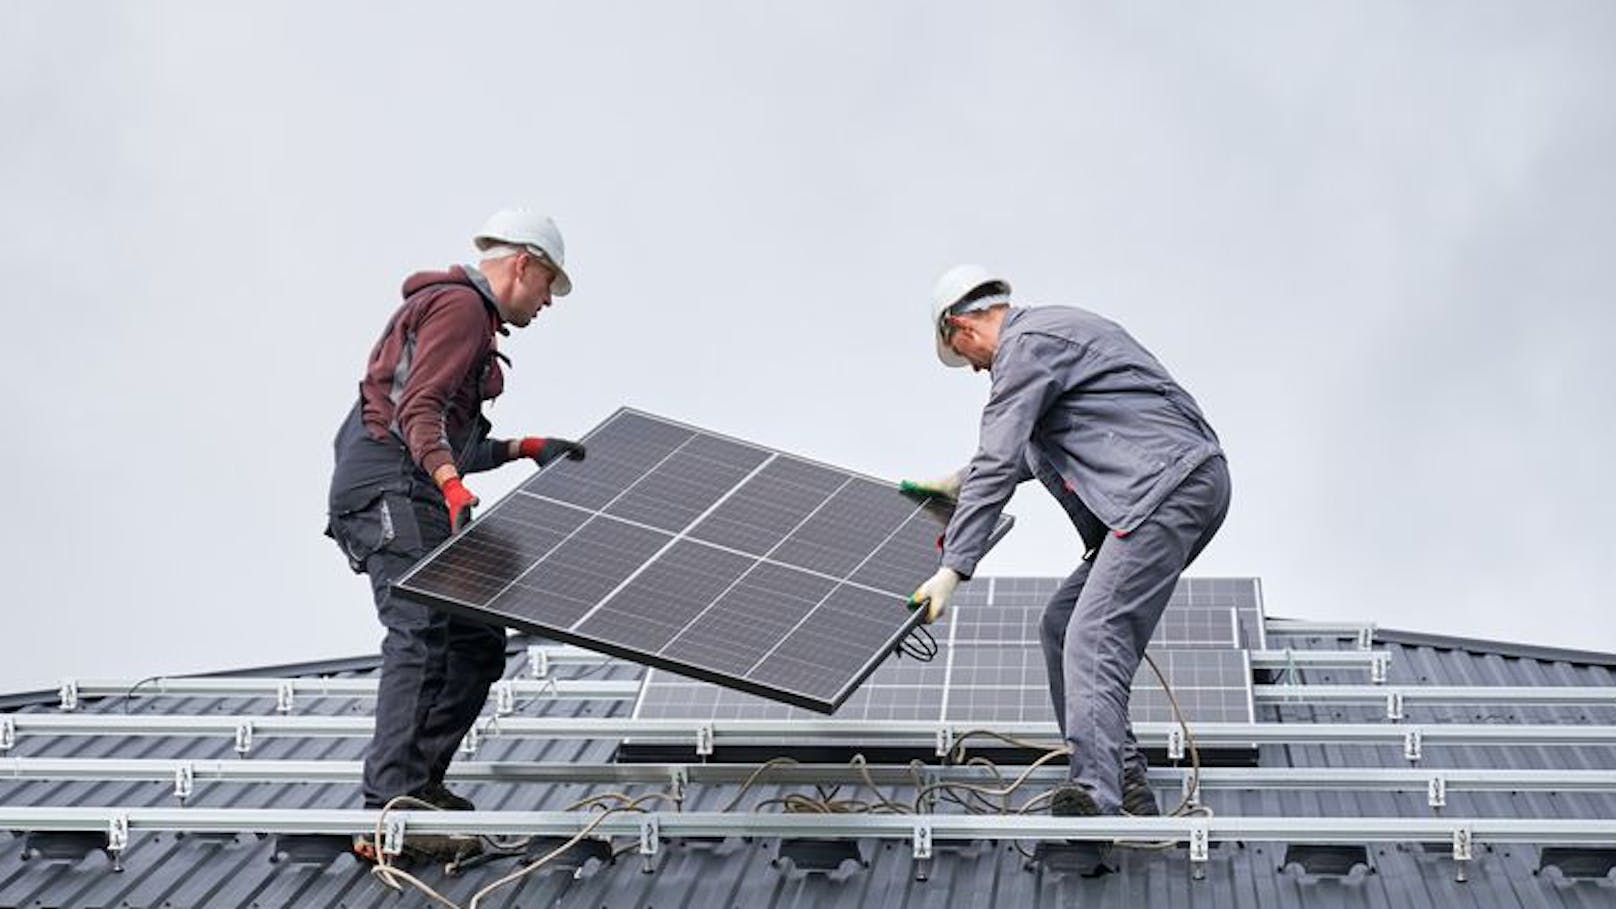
{"type": "Point", "coordinates": [436, 667]}
{"type": "Point", "coordinates": [1094, 630]}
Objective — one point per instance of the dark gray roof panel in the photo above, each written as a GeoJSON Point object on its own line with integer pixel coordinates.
{"type": "Point", "coordinates": [165, 871]}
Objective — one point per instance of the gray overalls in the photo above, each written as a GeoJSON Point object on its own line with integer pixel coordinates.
{"type": "Point", "coordinates": [1080, 405]}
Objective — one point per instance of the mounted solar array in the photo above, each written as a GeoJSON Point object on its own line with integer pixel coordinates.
{"type": "Point", "coordinates": [701, 554]}
{"type": "Point", "coordinates": [991, 667]}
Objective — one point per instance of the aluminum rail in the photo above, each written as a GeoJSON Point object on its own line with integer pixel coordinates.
{"type": "Point", "coordinates": [1316, 659]}
{"type": "Point", "coordinates": [650, 826]}
{"type": "Point", "coordinates": [1308, 694]}
{"type": "Point", "coordinates": [861, 732]}
{"type": "Point", "coordinates": [288, 771]}
{"type": "Point", "coordinates": [285, 690]}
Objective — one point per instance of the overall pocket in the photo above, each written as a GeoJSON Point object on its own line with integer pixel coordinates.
{"type": "Point", "coordinates": [364, 531]}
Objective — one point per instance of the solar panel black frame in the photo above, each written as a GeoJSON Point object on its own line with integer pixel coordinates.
{"type": "Point", "coordinates": [598, 500]}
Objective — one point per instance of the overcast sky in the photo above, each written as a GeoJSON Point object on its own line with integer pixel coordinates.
{"type": "Point", "coordinates": [1377, 241]}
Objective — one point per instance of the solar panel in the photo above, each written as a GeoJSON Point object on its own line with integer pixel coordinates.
{"type": "Point", "coordinates": [700, 554]}
{"type": "Point", "coordinates": [991, 667]}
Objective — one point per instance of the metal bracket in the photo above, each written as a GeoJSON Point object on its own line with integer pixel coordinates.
{"type": "Point", "coordinates": [1175, 743]}
{"type": "Point", "coordinates": [1190, 789]}
{"type": "Point", "coordinates": [1379, 668]}
{"type": "Point", "coordinates": [650, 842]}
{"type": "Point", "coordinates": [69, 693]}
{"type": "Point", "coordinates": [1394, 705]}
{"type": "Point", "coordinates": [8, 733]}
{"type": "Point", "coordinates": [1436, 792]}
{"type": "Point", "coordinates": [1461, 853]}
{"type": "Point", "coordinates": [504, 698]}
{"type": "Point", "coordinates": [1413, 739]}
{"type": "Point", "coordinates": [704, 740]}
{"type": "Point", "coordinates": [945, 741]}
{"type": "Point", "coordinates": [393, 835]}
{"type": "Point", "coordinates": [244, 738]}
{"type": "Point", "coordinates": [679, 781]}
{"type": "Point", "coordinates": [538, 661]}
{"type": "Point", "coordinates": [472, 741]}
{"type": "Point", "coordinates": [922, 841]}
{"type": "Point", "coordinates": [285, 697]}
{"type": "Point", "coordinates": [184, 781]}
{"type": "Point", "coordinates": [1200, 850]}
{"type": "Point", "coordinates": [117, 839]}
{"type": "Point", "coordinates": [1366, 637]}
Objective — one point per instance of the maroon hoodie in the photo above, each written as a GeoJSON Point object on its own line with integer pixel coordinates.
{"type": "Point", "coordinates": [435, 364]}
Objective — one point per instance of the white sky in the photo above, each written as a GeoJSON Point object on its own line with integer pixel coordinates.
{"type": "Point", "coordinates": [1375, 240]}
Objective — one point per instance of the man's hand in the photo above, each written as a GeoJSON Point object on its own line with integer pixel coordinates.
{"type": "Point", "coordinates": [458, 499]}
{"type": "Point", "coordinates": [943, 487]}
{"type": "Point", "coordinates": [543, 450]}
{"type": "Point", "coordinates": [933, 595]}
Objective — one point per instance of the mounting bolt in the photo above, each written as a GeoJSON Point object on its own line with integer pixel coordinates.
{"type": "Point", "coordinates": [538, 661]}
{"type": "Point", "coordinates": [945, 740]}
{"type": "Point", "coordinates": [244, 738]}
{"type": "Point", "coordinates": [1379, 667]}
{"type": "Point", "coordinates": [1200, 850]}
{"type": "Point", "coordinates": [704, 740]}
{"type": "Point", "coordinates": [1190, 790]}
{"type": "Point", "coordinates": [285, 696]}
{"type": "Point", "coordinates": [1461, 853]}
{"type": "Point", "coordinates": [504, 698]}
{"type": "Point", "coordinates": [650, 843]}
{"type": "Point", "coordinates": [1175, 743]}
{"type": "Point", "coordinates": [922, 841]}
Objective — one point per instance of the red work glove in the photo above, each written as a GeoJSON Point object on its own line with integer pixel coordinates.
{"type": "Point", "coordinates": [543, 451]}
{"type": "Point", "coordinates": [458, 499]}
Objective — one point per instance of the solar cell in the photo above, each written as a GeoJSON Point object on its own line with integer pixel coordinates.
{"type": "Point", "coordinates": [691, 551]}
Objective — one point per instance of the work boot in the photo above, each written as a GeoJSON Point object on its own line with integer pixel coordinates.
{"type": "Point", "coordinates": [1137, 798]}
{"type": "Point", "coordinates": [423, 847]}
{"type": "Point", "coordinates": [1073, 801]}
{"type": "Point", "coordinates": [440, 796]}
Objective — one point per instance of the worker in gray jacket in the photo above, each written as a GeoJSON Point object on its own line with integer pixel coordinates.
{"type": "Point", "coordinates": [1077, 403]}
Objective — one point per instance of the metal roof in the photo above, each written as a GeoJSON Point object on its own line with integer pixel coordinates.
{"type": "Point", "coordinates": [169, 869]}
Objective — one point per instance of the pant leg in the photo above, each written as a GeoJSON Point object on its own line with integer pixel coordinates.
{"type": "Point", "coordinates": [1131, 579]}
{"type": "Point", "coordinates": [412, 676]}
{"type": "Point", "coordinates": [1052, 637]}
{"type": "Point", "coordinates": [476, 659]}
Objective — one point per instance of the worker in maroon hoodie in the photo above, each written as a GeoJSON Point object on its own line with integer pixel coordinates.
{"type": "Point", "coordinates": [397, 489]}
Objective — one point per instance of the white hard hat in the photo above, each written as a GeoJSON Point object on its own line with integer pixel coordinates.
{"type": "Point", "coordinates": [954, 286]}
{"type": "Point", "coordinates": [520, 227]}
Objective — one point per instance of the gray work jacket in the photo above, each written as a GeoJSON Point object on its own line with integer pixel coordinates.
{"type": "Point", "coordinates": [1079, 404]}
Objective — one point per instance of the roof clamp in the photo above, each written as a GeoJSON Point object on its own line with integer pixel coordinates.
{"type": "Point", "coordinates": [538, 661]}
{"type": "Point", "coordinates": [1394, 705]}
{"type": "Point", "coordinates": [184, 781]}
{"type": "Point", "coordinates": [704, 741]}
{"type": "Point", "coordinates": [650, 842]}
{"type": "Point", "coordinates": [1190, 787]}
{"type": "Point", "coordinates": [1436, 792]}
{"type": "Point", "coordinates": [1461, 854]}
{"type": "Point", "coordinates": [678, 782]}
{"type": "Point", "coordinates": [922, 851]}
{"type": "Point", "coordinates": [285, 696]}
{"type": "Point", "coordinates": [8, 733]}
{"type": "Point", "coordinates": [504, 698]}
{"type": "Point", "coordinates": [945, 741]}
{"type": "Point", "coordinates": [117, 839]}
{"type": "Point", "coordinates": [1175, 744]}
{"type": "Point", "coordinates": [1379, 668]}
{"type": "Point", "coordinates": [1413, 739]}
{"type": "Point", "coordinates": [393, 835]}
{"type": "Point", "coordinates": [472, 741]}
{"type": "Point", "coordinates": [1200, 850]}
{"type": "Point", "coordinates": [69, 693]}
{"type": "Point", "coordinates": [244, 738]}
{"type": "Point", "coordinates": [1366, 637]}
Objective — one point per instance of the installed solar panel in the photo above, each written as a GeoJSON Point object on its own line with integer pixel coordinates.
{"type": "Point", "coordinates": [701, 554]}
{"type": "Point", "coordinates": [991, 666]}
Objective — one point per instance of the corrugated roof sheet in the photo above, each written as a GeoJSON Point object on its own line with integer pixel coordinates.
{"type": "Point", "coordinates": [168, 871]}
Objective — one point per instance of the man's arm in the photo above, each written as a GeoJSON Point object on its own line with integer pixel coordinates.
{"type": "Point", "coordinates": [1026, 381]}
{"type": "Point", "coordinates": [448, 345]}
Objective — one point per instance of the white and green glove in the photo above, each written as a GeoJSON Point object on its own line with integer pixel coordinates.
{"type": "Point", "coordinates": [943, 487]}
{"type": "Point", "coordinates": [933, 595]}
